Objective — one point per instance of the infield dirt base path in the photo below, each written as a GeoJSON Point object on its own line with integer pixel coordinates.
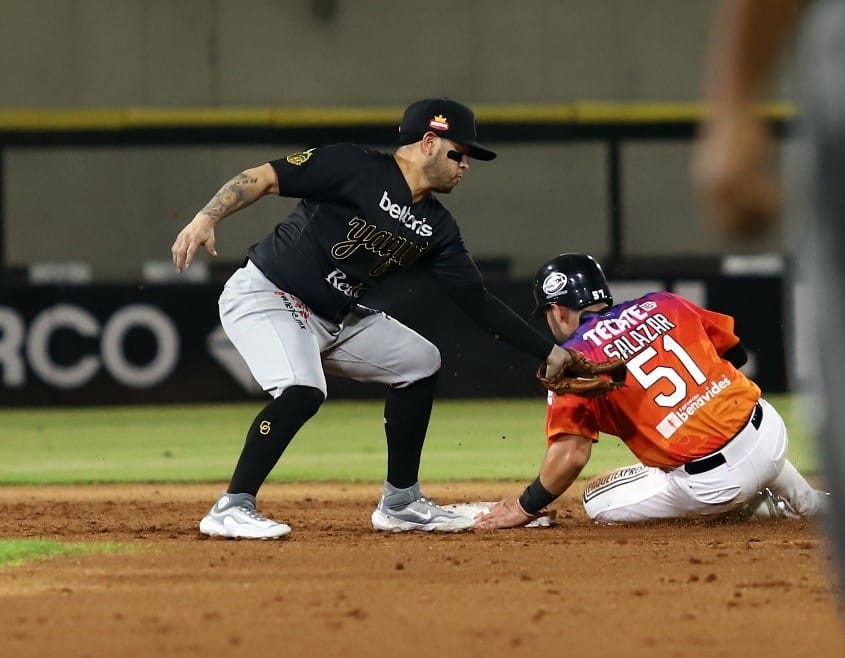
{"type": "Point", "coordinates": [337, 588]}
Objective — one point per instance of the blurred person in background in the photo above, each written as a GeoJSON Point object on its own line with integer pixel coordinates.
{"type": "Point", "coordinates": [742, 195]}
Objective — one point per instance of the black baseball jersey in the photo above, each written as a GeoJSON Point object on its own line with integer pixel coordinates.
{"type": "Point", "coordinates": [356, 223]}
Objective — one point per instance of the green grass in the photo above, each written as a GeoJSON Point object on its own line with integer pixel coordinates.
{"type": "Point", "coordinates": [13, 552]}
{"type": "Point", "coordinates": [477, 439]}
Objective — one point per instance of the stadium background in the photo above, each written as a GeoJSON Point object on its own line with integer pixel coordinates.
{"type": "Point", "coordinates": [123, 118]}
{"type": "Point", "coordinates": [118, 120]}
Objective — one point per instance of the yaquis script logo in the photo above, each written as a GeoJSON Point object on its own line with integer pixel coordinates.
{"type": "Point", "coordinates": [300, 158]}
{"type": "Point", "coordinates": [393, 249]}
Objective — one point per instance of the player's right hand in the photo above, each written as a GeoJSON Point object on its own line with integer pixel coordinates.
{"type": "Point", "coordinates": [199, 232]}
{"type": "Point", "coordinates": [556, 361]}
{"type": "Point", "coordinates": [507, 513]}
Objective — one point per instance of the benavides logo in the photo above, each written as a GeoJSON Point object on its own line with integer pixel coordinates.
{"type": "Point", "coordinates": [300, 158]}
{"type": "Point", "coordinates": [404, 216]}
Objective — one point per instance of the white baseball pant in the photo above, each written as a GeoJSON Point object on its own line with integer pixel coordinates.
{"type": "Point", "coordinates": [285, 344]}
{"type": "Point", "coordinates": [713, 485]}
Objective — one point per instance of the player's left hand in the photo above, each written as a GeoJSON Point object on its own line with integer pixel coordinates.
{"type": "Point", "coordinates": [505, 514]}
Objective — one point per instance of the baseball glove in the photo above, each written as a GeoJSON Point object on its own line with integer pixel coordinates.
{"type": "Point", "coordinates": [585, 377]}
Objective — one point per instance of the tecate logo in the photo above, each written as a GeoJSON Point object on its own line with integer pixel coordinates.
{"type": "Point", "coordinates": [554, 283]}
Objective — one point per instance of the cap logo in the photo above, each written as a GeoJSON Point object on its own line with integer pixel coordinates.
{"type": "Point", "coordinates": [439, 122]}
{"type": "Point", "coordinates": [554, 283]}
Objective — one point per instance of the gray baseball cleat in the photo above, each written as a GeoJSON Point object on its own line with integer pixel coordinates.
{"type": "Point", "coordinates": [406, 510]}
{"type": "Point", "coordinates": [234, 516]}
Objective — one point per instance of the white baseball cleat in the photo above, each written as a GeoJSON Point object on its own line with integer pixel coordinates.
{"type": "Point", "coordinates": [768, 505]}
{"type": "Point", "coordinates": [234, 516]}
{"type": "Point", "coordinates": [764, 505]}
{"type": "Point", "coordinates": [420, 514]}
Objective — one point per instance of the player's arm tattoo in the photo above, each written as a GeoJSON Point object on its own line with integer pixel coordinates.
{"type": "Point", "coordinates": [239, 192]}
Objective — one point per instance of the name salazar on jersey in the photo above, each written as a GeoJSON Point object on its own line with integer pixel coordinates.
{"type": "Point", "coordinates": [403, 215]}
{"type": "Point", "coordinates": [630, 332]}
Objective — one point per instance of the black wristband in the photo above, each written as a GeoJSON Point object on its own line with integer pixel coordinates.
{"type": "Point", "coordinates": [536, 497]}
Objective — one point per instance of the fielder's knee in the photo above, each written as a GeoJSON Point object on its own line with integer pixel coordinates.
{"type": "Point", "coordinates": [430, 360]}
{"type": "Point", "coordinates": [421, 363]}
{"type": "Point", "coordinates": [305, 399]}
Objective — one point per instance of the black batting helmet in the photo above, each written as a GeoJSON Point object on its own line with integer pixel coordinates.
{"type": "Point", "coordinates": [571, 280]}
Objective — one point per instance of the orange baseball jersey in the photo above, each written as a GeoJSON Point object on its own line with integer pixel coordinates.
{"type": "Point", "coordinates": [680, 401]}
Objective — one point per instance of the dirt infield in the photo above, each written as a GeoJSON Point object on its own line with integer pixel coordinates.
{"type": "Point", "coordinates": [336, 588]}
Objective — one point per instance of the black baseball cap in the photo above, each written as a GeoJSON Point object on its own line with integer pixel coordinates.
{"type": "Point", "coordinates": [445, 118]}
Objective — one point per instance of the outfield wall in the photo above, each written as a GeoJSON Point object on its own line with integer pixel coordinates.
{"type": "Point", "coordinates": [101, 53]}
{"type": "Point", "coordinates": [609, 179]}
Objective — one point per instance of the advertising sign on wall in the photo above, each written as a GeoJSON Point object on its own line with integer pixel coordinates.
{"type": "Point", "coordinates": [98, 345]}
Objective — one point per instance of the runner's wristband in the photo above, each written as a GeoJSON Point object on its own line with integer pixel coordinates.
{"type": "Point", "coordinates": [535, 497]}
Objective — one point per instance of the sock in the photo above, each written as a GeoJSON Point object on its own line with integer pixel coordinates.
{"type": "Point", "coordinates": [399, 498]}
{"type": "Point", "coordinates": [228, 500]}
{"type": "Point", "coordinates": [406, 415]}
{"type": "Point", "coordinates": [271, 432]}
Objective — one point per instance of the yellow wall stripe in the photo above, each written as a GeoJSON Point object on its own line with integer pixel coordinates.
{"type": "Point", "coordinates": [298, 117]}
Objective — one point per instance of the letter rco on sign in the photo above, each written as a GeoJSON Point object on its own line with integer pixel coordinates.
{"type": "Point", "coordinates": [15, 341]}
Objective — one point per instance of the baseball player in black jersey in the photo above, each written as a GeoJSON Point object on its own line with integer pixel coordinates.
{"type": "Point", "coordinates": [293, 312]}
